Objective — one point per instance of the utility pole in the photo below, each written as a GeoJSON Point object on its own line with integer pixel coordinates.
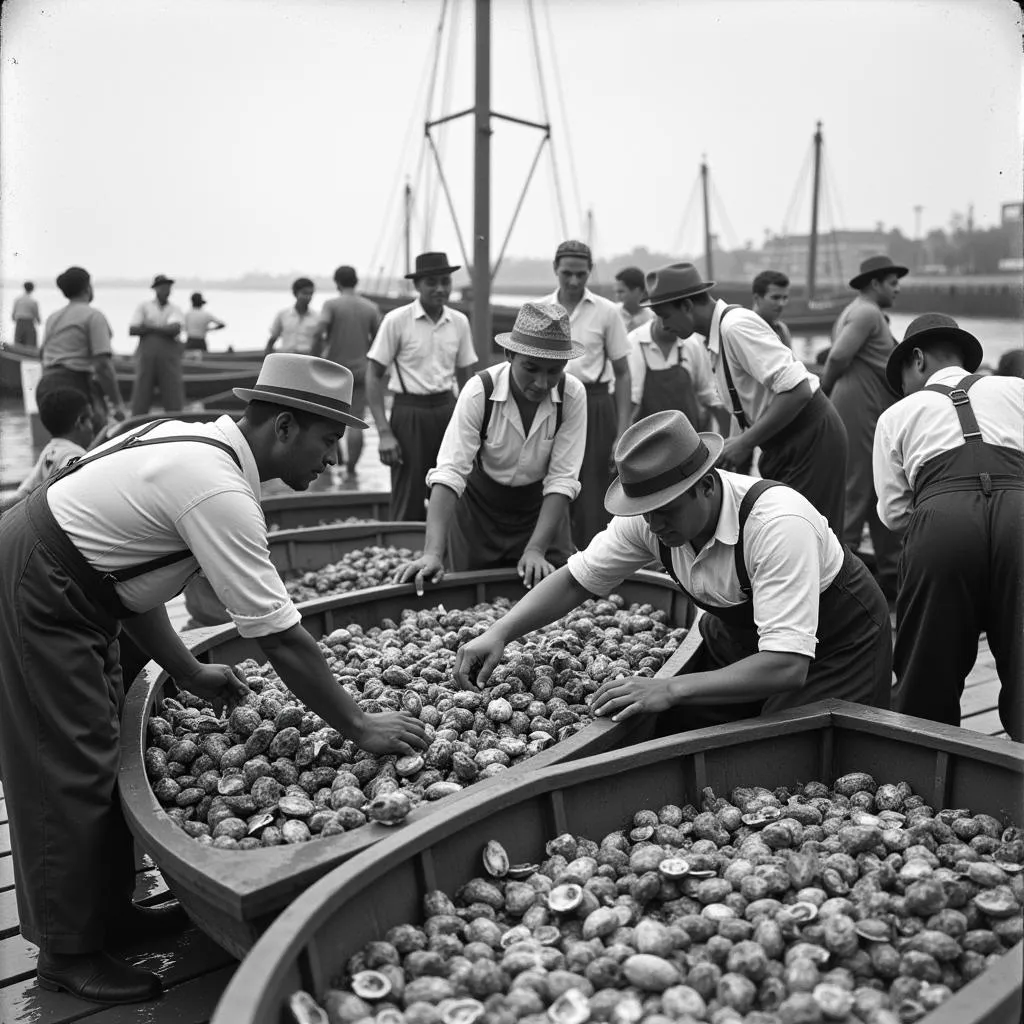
{"type": "Point", "coordinates": [482, 187]}
{"type": "Point", "coordinates": [709, 272]}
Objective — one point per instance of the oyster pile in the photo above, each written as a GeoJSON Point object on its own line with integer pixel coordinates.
{"type": "Point", "coordinates": [273, 772]}
{"type": "Point", "coordinates": [856, 903]}
{"type": "Point", "coordinates": [371, 566]}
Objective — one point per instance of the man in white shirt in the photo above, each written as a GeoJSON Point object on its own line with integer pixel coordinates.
{"type": "Point", "coordinates": [510, 460]}
{"type": "Point", "coordinates": [775, 400]}
{"type": "Point", "coordinates": [630, 290]}
{"type": "Point", "coordinates": [198, 323]}
{"type": "Point", "coordinates": [771, 295]}
{"type": "Point", "coordinates": [426, 349]}
{"type": "Point", "coordinates": [298, 326]}
{"type": "Point", "coordinates": [791, 617]}
{"type": "Point", "coordinates": [101, 548]}
{"type": "Point", "coordinates": [948, 466]}
{"type": "Point", "coordinates": [597, 326]}
{"type": "Point", "coordinates": [157, 324]}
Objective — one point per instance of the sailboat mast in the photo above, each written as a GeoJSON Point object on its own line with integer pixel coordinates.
{"type": "Point", "coordinates": [708, 270]}
{"type": "Point", "coordinates": [408, 228]}
{"type": "Point", "coordinates": [812, 255]}
{"type": "Point", "coordinates": [482, 186]}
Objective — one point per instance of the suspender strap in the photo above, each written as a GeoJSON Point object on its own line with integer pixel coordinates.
{"type": "Point", "coordinates": [962, 404]}
{"type": "Point", "coordinates": [746, 505]}
{"type": "Point", "coordinates": [665, 554]}
{"type": "Point", "coordinates": [560, 405]}
{"type": "Point", "coordinates": [737, 407]}
{"type": "Point", "coordinates": [488, 384]}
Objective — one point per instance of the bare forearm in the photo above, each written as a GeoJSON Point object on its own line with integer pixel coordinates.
{"type": "Point", "coordinates": [623, 400]}
{"type": "Point", "coordinates": [552, 512]}
{"type": "Point", "coordinates": [153, 633]}
{"type": "Point", "coordinates": [553, 597]}
{"type": "Point", "coordinates": [104, 371]}
{"type": "Point", "coordinates": [784, 409]}
{"type": "Point", "coordinates": [721, 419]}
{"type": "Point", "coordinates": [439, 514]}
{"type": "Point", "coordinates": [756, 677]}
{"type": "Point", "coordinates": [375, 400]}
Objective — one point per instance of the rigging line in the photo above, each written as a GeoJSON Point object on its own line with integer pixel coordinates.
{"type": "Point", "coordinates": [519, 205]}
{"type": "Point", "coordinates": [556, 179]}
{"type": "Point", "coordinates": [537, 63]}
{"type": "Point", "coordinates": [798, 191]}
{"type": "Point", "coordinates": [830, 177]}
{"type": "Point", "coordinates": [837, 249]}
{"type": "Point", "coordinates": [677, 242]}
{"type": "Point", "coordinates": [723, 219]}
{"type": "Point", "coordinates": [430, 210]}
{"type": "Point", "coordinates": [451, 205]}
{"type": "Point", "coordinates": [560, 93]}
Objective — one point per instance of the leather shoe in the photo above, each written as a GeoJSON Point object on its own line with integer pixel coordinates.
{"type": "Point", "coordinates": [97, 977]}
{"type": "Point", "coordinates": [137, 922]}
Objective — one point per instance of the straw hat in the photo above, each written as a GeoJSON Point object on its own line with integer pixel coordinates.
{"type": "Point", "coordinates": [541, 330]}
{"type": "Point", "coordinates": [931, 327]}
{"type": "Point", "coordinates": [659, 458]}
{"type": "Point", "coordinates": [876, 266]}
{"type": "Point", "coordinates": [674, 282]}
{"type": "Point", "coordinates": [314, 385]}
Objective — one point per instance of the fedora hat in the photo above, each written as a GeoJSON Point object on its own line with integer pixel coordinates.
{"type": "Point", "coordinates": [658, 458]}
{"type": "Point", "coordinates": [431, 263]}
{"type": "Point", "coordinates": [314, 385]}
{"type": "Point", "coordinates": [931, 327]}
{"type": "Point", "coordinates": [676, 281]}
{"type": "Point", "coordinates": [160, 279]}
{"type": "Point", "coordinates": [876, 266]}
{"type": "Point", "coordinates": [541, 330]}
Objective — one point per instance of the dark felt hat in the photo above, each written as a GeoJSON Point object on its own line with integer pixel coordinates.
{"type": "Point", "coordinates": [931, 327]}
{"type": "Point", "coordinates": [674, 282]}
{"type": "Point", "coordinates": [876, 266]}
{"type": "Point", "coordinates": [160, 279]}
{"type": "Point", "coordinates": [429, 264]}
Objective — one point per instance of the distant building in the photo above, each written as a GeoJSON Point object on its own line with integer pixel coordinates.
{"type": "Point", "coordinates": [840, 253]}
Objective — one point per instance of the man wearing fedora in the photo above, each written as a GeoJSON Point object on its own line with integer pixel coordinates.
{"type": "Point", "coordinates": [776, 402]}
{"type": "Point", "coordinates": [510, 460]}
{"type": "Point", "coordinates": [603, 368]}
{"type": "Point", "coordinates": [426, 349]}
{"type": "Point", "coordinates": [949, 471]}
{"type": "Point", "coordinates": [98, 549]}
{"type": "Point", "coordinates": [854, 378]}
{"type": "Point", "coordinates": [157, 324]}
{"type": "Point", "coordinates": [791, 616]}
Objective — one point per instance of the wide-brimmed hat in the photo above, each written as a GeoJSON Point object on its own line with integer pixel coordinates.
{"type": "Point", "coordinates": [876, 266]}
{"type": "Point", "coordinates": [541, 330]}
{"type": "Point", "coordinates": [431, 264]}
{"type": "Point", "coordinates": [160, 279]}
{"type": "Point", "coordinates": [674, 282]}
{"type": "Point", "coordinates": [658, 458]}
{"type": "Point", "coordinates": [934, 327]}
{"type": "Point", "coordinates": [314, 385]}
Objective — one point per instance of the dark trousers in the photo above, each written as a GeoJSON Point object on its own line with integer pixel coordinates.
{"type": "Point", "coordinates": [25, 333]}
{"type": "Point", "coordinates": [809, 455]}
{"type": "Point", "coordinates": [960, 575]}
{"type": "Point", "coordinates": [587, 513]}
{"type": "Point", "coordinates": [60, 698]}
{"type": "Point", "coordinates": [158, 368]}
{"type": "Point", "coordinates": [419, 423]}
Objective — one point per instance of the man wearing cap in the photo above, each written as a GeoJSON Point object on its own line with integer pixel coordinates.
{"type": "Point", "coordinates": [426, 349]}
{"type": "Point", "coordinates": [157, 324]}
{"type": "Point", "coordinates": [198, 323]}
{"type": "Point", "coordinates": [297, 328]}
{"type": "Point", "coordinates": [949, 471]}
{"type": "Point", "coordinates": [603, 368]}
{"type": "Point", "coordinates": [775, 400]}
{"type": "Point", "coordinates": [791, 616]}
{"type": "Point", "coordinates": [630, 291]}
{"type": "Point", "coordinates": [854, 378]}
{"type": "Point", "coordinates": [100, 548]}
{"type": "Point", "coordinates": [510, 459]}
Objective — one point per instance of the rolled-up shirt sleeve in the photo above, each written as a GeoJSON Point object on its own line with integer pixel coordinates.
{"type": "Point", "coordinates": [616, 343]}
{"type": "Point", "coordinates": [99, 334]}
{"type": "Point", "coordinates": [637, 372]}
{"type": "Point", "coordinates": [895, 495]}
{"type": "Point", "coordinates": [698, 364]}
{"type": "Point", "coordinates": [385, 347]}
{"type": "Point", "coordinates": [461, 440]}
{"type": "Point", "coordinates": [138, 317]}
{"type": "Point", "coordinates": [785, 576]}
{"type": "Point", "coordinates": [757, 348]}
{"type": "Point", "coordinates": [619, 550]}
{"type": "Point", "coordinates": [227, 534]}
{"type": "Point", "coordinates": [467, 354]}
{"type": "Point", "coordinates": [563, 475]}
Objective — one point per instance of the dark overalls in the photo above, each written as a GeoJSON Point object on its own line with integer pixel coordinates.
{"type": "Point", "coordinates": [807, 454]}
{"type": "Point", "coordinates": [853, 660]}
{"type": "Point", "coordinates": [670, 388]}
{"type": "Point", "coordinates": [493, 522]}
{"type": "Point", "coordinates": [418, 423]}
{"type": "Point", "coordinates": [61, 691]}
{"type": "Point", "coordinates": [960, 574]}
{"type": "Point", "coordinates": [587, 513]}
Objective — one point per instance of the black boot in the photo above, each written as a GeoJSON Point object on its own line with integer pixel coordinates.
{"type": "Point", "coordinates": [98, 977]}
{"type": "Point", "coordinates": [136, 922]}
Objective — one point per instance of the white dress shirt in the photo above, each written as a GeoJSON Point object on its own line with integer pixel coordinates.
{"type": "Point", "coordinates": [925, 424]}
{"type": "Point", "coordinates": [596, 324]}
{"type": "Point", "coordinates": [426, 352]}
{"type": "Point", "coordinates": [296, 331]}
{"type": "Point", "coordinates": [154, 500]}
{"type": "Point", "coordinates": [152, 314]}
{"type": "Point", "coordinates": [646, 354]}
{"type": "Point", "coordinates": [761, 366]}
{"type": "Point", "coordinates": [511, 457]}
{"type": "Point", "coordinates": [59, 451]}
{"type": "Point", "coordinates": [792, 557]}
{"type": "Point", "coordinates": [631, 321]}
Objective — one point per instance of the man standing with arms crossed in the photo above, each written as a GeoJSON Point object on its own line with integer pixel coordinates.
{"type": "Point", "coordinates": [157, 324]}
{"type": "Point", "coordinates": [426, 348]}
{"type": "Point", "coordinates": [596, 325]}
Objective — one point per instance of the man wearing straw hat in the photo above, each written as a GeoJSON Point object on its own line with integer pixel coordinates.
{"type": "Point", "coordinates": [510, 460]}
{"type": "Point", "coordinates": [775, 400]}
{"type": "Point", "coordinates": [426, 349]}
{"type": "Point", "coordinates": [792, 616]}
{"type": "Point", "coordinates": [100, 548]}
{"type": "Point", "coordinates": [949, 470]}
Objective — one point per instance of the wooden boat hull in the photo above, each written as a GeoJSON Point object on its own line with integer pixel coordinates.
{"type": "Point", "coordinates": [309, 945]}
{"type": "Point", "coordinates": [234, 896]}
{"type": "Point", "coordinates": [296, 511]}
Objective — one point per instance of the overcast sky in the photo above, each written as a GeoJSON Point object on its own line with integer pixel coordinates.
{"type": "Point", "coordinates": [213, 137]}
